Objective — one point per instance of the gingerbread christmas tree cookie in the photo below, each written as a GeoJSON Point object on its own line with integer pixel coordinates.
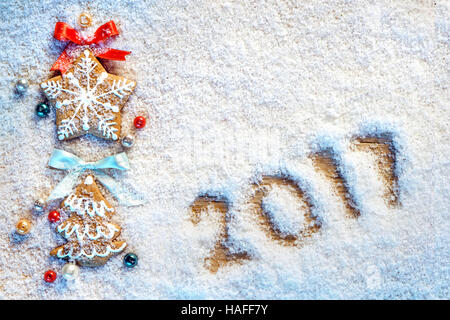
{"type": "Point", "coordinates": [88, 99]}
{"type": "Point", "coordinates": [91, 236]}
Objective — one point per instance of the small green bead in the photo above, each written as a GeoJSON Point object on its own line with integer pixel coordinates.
{"type": "Point", "coordinates": [42, 110]}
{"type": "Point", "coordinates": [130, 260]}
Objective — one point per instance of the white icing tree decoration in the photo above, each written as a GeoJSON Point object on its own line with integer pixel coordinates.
{"type": "Point", "coordinates": [88, 99]}
{"type": "Point", "coordinates": [90, 234]}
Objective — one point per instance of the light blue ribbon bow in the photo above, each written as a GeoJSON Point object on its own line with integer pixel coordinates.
{"type": "Point", "coordinates": [64, 160]}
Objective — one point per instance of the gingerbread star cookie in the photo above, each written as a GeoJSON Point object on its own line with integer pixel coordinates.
{"type": "Point", "coordinates": [88, 99]}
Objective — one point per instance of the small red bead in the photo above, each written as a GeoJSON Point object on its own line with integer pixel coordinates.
{"type": "Point", "coordinates": [139, 122]}
{"type": "Point", "coordinates": [54, 216]}
{"type": "Point", "coordinates": [50, 276]}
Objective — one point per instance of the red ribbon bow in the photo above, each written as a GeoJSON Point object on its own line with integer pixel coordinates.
{"type": "Point", "coordinates": [64, 32]}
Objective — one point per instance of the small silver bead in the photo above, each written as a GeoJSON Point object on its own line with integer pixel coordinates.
{"type": "Point", "coordinates": [39, 205]}
{"type": "Point", "coordinates": [70, 271]}
{"type": "Point", "coordinates": [127, 141]}
{"type": "Point", "coordinates": [21, 86]}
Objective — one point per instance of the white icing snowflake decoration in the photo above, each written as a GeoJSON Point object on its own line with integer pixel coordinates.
{"type": "Point", "coordinates": [88, 99]}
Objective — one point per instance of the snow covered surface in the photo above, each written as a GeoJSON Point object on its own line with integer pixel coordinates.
{"type": "Point", "coordinates": [234, 90]}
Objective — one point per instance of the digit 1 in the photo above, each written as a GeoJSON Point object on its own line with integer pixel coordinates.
{"type": "Point", "coordinates": [326, 162]}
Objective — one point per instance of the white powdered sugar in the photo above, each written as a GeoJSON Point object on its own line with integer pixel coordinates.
{"type": "Point", "coordinates": [234, 91]}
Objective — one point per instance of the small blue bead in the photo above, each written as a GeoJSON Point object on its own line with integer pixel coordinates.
{"type": "Point", "coordinates": [21, 86]}
{"type": "Point", "coordinates": [130, 260]}
{"type": "Point", "coordinates": [42, 110]}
